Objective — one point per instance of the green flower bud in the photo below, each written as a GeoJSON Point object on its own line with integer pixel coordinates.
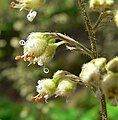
{"type": "Point", "coordinates": [65, 87]}
{"type": "Point", "coordinates": [45, 89]}
{"type": "Point", "coordinates": [60, 74]}
{"type": "Point", "coordinates": [100, 4]}
{"type": "Point", "coordinates": [110, 85]}
{"type": "Point", "coordinates": [47, 55]}
{"type": "Point", "coordinates": [91, 71]}
{"type": "Point", "coordinates": [99, 62]}
{"type": "Point", "coordinates": [112, 65]}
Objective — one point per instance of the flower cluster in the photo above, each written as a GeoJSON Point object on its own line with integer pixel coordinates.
{"type": "Point", "coordinates": [99, 71]}
{"type": "Point", "coordinates": [63, 84]}
{"type": "Point", "coordinates": [28, 5]}
{"type": "Point", "coordinates": [39, 48]}
{"type": "Point", "coordinates": [100, 4]}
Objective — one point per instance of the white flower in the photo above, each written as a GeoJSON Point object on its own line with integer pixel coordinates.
{"type": "Point", "coordinates": [91, 71]}
{"type": "Point", "coordinates": [39, 48]}
{"type": "Point", "coordinates": [45, 89]}
{"type": "Point", "coordinates": [65, 87]}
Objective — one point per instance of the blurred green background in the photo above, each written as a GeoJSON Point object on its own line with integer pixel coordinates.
{"type": "Point", "coordinates": [18, 81]}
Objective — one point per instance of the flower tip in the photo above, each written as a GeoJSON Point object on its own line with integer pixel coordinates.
{"type": "Point", "coordinates": [12, 4]}
{"type": "Point", "coordinates": [18, 57]}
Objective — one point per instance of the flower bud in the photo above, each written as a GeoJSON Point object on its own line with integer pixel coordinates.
{"type": "Point", "coordinates": [45, 89]}
{"type": "Point", "coordinates": [100, 4]}
{"type": "Point", "coordinates": [61, 74]}
{"type": "Point", "coordinates": [116, 18]}
{"type": "Point", "coordinates": [65, 87]}
{"type": "Point", "coordinates": [47, 55]}
{"type": "Point", "coordinates": [110, 85]}
{"type": "Point", "coordinates": [91, 71]}
{"type": "Point", "coordinates": [112, 65]}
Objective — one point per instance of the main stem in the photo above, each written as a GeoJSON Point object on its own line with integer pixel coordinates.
{"type": "Point", "coordinates": [92, 39]}
{"type": "Point", "coordinates": [89, 28]}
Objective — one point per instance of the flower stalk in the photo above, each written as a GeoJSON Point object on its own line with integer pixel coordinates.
{"type": "Point", "coordinates": [89, 28]}
{"type": "Point", "coordinates": [92, 38]}
{"type": "Point", "coordinates": [78, 46]}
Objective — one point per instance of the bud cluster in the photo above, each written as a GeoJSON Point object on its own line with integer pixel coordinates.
{"type": "Point", "coordinates": [39, 48]}
{"type": "Point", "coordinates": [99, 71]}
{"type": "Point", "coordinates": [63, 84]}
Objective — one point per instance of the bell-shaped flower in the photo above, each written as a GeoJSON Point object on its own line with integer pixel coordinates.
{"type": "Point", "coordinates": [45, 89]}
{"type": "Point", "coordinates": [65, 88]}
{"type": "Point", "coordinates": [39, 48]}
{"type": "Point", "coordinates": [90, 73]}
{"type": "Point", "coordinates": [110, 86]}
{"type": "Point", "coordinates": [66, 83]}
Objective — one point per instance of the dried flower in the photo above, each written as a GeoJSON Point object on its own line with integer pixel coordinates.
{"type": "Point", "coordinates": [39, 48]}
{"type": "Point", "coordinates": [100, 4]}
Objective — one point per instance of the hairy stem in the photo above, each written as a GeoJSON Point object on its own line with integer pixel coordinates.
{"type": "Point", "coordinates": [89, 28]}
{"type": "Point", "coordinates": [91, 33]}
{"type": "Point", "coordinates": [99, 20]}
{"type": "Point", "coordinates": [73, 42]}
{"type": "Point", "coordinates": [103, 105]}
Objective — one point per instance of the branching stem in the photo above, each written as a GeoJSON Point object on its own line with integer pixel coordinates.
{"type": "Point", "coordinates": [73, 42]}
{"type": "Point", "coordinates": [91, 33]}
